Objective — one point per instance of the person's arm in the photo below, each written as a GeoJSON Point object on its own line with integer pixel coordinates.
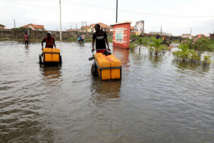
{"type": "Point", "coordinates": [106, 40]}
{"type": "Point", "coordinates": [42, 43]}
{"type": "Point", "coordinates": [93, 38]}
{"type": "Point", "coordinates": [54, 43]}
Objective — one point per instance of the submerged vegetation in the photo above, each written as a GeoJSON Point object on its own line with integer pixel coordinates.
{"type": "Point", "coordinates": [142, 41]}
{"type": "Point", "coordinates": [156, 46]}
{"type": "Point", "coordinates": [132, 46]}
{"type": "Point", "coordinates": [190, 55]}
{"type": "Point", "coordinates": [206, 60]}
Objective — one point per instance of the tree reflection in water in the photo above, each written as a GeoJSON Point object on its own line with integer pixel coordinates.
{"type": "Point", "coordinates": [191, 66]}
{"type": "Point", "coordinates": [122, 55]}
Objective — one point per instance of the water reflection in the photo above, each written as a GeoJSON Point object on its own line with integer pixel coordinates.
{"type": "Point", "coordinates": [191, 66]}
{"type": "Point", "coordinates": [104, 90]}
{"type": "Point", "coordinates": [27, 50]}
{"type": "Point", "coordinates": [155, 60]}
{"type": "Point", "coordinates": [123, 55]}
{"type": "Point", "coordinates": [51, 74]}
{"type": "Point", "coordinates": [205, 68]}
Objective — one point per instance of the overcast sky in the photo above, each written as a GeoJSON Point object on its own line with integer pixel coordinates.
{"type": "Point", "coordinates": [175, 16]}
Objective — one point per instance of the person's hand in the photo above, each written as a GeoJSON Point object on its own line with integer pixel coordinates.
{"type": "Point", "coordinates": [108, 49]}
{"type": "Point", "coordinates": [92, 50]}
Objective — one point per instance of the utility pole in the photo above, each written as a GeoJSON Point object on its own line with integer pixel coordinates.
{"type": "Point", "coordinates": [14, 23]}
{"type": "Point", "coordinates": [161, 30]}
{"type": "Point", "coordinates": [76, 27]}
{"type": "Point", "coordinates": [60, 21]}
{"type": "Point", "coordinates": [116, 9]}
{"type": "Point", "coordinates": [190, 31]}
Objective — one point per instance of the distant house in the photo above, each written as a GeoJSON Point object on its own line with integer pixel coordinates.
{"type": "Point", "coordinates": [186, 36]}
{"type": "Point", "coordinates": [161, 33]}
{"type": "Point", "coordinates": [2, 26]}
{"type": "Point", "coordinates": [90, 28]}
{"type": "Point", "coordinates": [103, 26]}
{"type": "Point", "coordinates": [85, 28]}
{"type": "Point", "coordinates": [34, 27]}
{"type": "Point", "coordinates": [132, 29]}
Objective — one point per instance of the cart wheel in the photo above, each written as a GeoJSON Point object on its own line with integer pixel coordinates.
{"type": "Point", "coordinates": [60, 59]}
{"type": "Point", "coordinates": [40, 59]}
{"type": "Point", "coordinates": [94, 70]}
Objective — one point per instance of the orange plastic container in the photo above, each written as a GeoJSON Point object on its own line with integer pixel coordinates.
{"type": "Point", "coordinates": [105, 73]}
{"type": "Point", "coordinates": [108, 62]}
{"type": "Point", "coordinates": [115, 73]}
{"type": "Point", "coordinates": [56, 53]}
{"type": "Point", "coordinates": [47, 55]}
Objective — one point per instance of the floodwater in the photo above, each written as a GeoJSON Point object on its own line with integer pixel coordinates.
{"type": "Point", "coordinates": [159, 100]}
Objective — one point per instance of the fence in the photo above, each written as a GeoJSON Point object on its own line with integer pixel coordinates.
{"type": "Point", "coordinates": [19, 34]}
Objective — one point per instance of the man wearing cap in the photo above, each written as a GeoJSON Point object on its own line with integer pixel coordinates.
{"type": "Point", "coordinates": [101, 40]}
{"type": "Point", "coordinates": [50, 41]}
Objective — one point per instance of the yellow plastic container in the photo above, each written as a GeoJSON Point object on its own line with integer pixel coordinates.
{"type": "Point", "coordinates": [97, 55]}
{"type": "Point", "coordinates": [108, 62]}
{"type": "Point", "coordinates": [115, 73]}
{"type": "Point", "coordinates": [47, 55]}
{"type": "Point", "coordinates": [56, 53]}
{"type": "Point", "coordinates": [105, 73]}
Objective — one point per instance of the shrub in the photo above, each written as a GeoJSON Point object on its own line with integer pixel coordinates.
{"type": "Point", "coordinates": [206, 60]}
{"type": "Point", "coordinates": [132, 46]}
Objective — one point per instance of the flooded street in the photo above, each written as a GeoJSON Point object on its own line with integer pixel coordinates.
{"type": "Point", "coordinates": [158, 100]}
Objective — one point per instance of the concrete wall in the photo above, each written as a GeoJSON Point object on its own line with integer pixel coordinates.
{"type": "Point", "coordinates": [212, 36]}
{"type": "Point", "coordinates": [19, 34]}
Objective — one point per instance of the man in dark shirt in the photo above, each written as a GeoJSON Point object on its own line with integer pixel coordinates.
{"type": "Point", "coordinates": [50, 41]}
{"type": "Point", "coordinates": [101, 40]}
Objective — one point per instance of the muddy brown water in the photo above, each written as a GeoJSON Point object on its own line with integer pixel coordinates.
{"type": "Point", "coordinates": [159, 100]}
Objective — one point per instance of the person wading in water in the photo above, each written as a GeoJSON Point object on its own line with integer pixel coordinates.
{"type": "Point", "coordinates": [50, 41]}
{"type": "Point", "coordinates": [26, 38]}
{"type": "Point", "coordinates": [101, 40]}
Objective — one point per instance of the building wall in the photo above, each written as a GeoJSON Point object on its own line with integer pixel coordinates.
{"type": "Point", "coordinates": [1, 27]}
{"type": "Point", "coordinates": [19, 34]}
{"type": "Point", "coordinates": [124, 44]}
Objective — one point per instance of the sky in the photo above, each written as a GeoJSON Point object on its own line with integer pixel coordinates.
{"type": "Point", "coordinates": [175, 16]}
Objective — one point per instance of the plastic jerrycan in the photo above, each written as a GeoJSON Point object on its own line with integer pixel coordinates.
{"type": "Point", "coordinates": [47, 55]}
{"type": "Point", "coordinates": [103, 62]}
{"type": "Point", "coordinates": [56, 53]}
{"type": "Point", "coordinates": [115, 73]}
